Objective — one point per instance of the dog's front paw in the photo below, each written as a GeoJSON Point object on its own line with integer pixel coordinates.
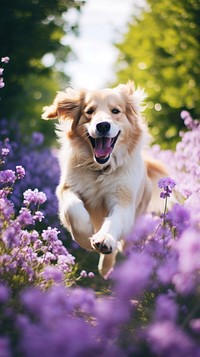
{"type": "Point", "coordinates": [103, 243]}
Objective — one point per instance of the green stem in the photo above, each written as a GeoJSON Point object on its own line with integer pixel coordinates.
{"type": "Point", "coordinates": [165, 211]}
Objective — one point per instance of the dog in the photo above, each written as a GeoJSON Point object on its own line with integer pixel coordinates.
{"type": "Point", "coordinates": [106, 181]}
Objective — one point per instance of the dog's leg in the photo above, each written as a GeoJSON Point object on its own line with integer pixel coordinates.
{"type": "Point", "coordinates": [74, 216]}
{"type": "Point", "coordinates": [115, 226]}
{"type": "Point", "coordinates": [106, 262]}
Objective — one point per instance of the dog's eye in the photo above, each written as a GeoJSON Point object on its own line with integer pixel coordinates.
{"type": "Point", "coordinates": [115, 111]}
{"type": "Point", "coordinates": [90, 111]}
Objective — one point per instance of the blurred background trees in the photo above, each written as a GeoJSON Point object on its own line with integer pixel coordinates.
{"type": "Point", "coordinates": [31, 32]}
{"type": "Point", "coordinates": [161, 52]}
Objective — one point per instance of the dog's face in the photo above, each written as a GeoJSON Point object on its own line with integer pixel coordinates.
{"type": "Point", "coordinates": [106, 121]}
{"type": "Point", "coordinates": [101, 122]}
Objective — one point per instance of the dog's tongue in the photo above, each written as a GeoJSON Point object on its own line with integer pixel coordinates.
{"type": "Point", "coordinates": [102, 147]}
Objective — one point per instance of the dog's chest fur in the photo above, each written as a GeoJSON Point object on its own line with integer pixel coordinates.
{"type": "Point", "coordinates": [100, 190]}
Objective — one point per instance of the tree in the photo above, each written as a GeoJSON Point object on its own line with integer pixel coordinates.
{"type": "Point", "coordinates": [160, 52]}
{"type": "Point", "coordinates": [29, 30]}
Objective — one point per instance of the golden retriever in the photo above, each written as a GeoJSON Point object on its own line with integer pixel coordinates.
{"type": "Point", "coordinates": [105, 180]}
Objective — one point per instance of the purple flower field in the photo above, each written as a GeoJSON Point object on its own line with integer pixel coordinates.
{"type": "Point", "coordinates": [152, 305]}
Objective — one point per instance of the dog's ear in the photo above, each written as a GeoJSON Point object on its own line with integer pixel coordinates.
{"type": "Point", "coordinates": [135, 97]}
{"type": "Point", "coordinates": [66, 105]}
{"type": "Point", "coordinates": [129, 87]}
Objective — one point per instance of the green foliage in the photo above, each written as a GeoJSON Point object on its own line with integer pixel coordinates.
{"type": "Point", "coordinates": [36, 92]}
{"type": "Point", "coordinates": [29, 30]}
{"type": "Point", "coordinates": [160, 52]}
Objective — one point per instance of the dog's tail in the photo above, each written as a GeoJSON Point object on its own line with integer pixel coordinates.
{"type": "Point", "coordinates": [155, 171]}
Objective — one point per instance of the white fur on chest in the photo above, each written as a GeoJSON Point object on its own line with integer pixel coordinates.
{"type": "Point", "coordinates": [97, 186]}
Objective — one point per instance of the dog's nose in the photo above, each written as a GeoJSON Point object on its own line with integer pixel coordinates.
{"type": "Point", "coordinates": [103, 127]}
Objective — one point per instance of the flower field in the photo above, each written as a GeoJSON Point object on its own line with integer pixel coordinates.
{"type": "Point", "coordinates": [151, 306]}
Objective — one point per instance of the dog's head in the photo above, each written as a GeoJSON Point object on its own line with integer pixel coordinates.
{"type": "Point", "coordinates": [108, 120]}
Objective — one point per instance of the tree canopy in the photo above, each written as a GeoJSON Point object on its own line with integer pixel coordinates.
{"type": "Point", "coordinates": [160, 52]}
{"type": "Point", "coordinates": [29, 30]}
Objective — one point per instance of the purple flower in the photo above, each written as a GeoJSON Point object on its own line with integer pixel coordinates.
{"type": "Point", "coordinates": [91, 275]}
{"type": "Point", "coordinates": [133, 275]}
{"type": "Point", "coordinates": [25, 217]}
{"type": "Point", "coordinates": [52, 273]}
{"type": "Point", "coordinates": [111, 313]}
{"type": "Point", "coordinates": [11, 236]}
{"type": "Point", "coordinates": [83, 274]}
{"type": "Point", "coordinates": [6, 209]}
{"type": "Point", "coordinates": [48, 257]}
{"type": "Point", "coordinates": [167, 184]}
{"type": "Point", "coordinates": [33, 299]}
{"type": "Point", "coordinates": [5, 59]}
{"type": "Point", "coordinates": [50, 234]}
{"type": "Point", "coordinates": [168, 269]}
{"type": "Point", "coordinates": [34, 235]}
{"type": "Point", "coordinates": [143, 228]}
{"type": "Point", "coordinates": [188, 121]}
{"type": "Point", "coordinates": [38, 138]}
{"type": "Point", "coordinates": [188, 249]}
{"type": "Point", "coordinates": [166, 339]}
{"type": "Point", "coordinates": [83, 299]}
{"type": "Point", "coordinates": [1, 71]}
{"type": "Point", "coordinates": [166, 309]}
{"type": "Point", "coordinates": [2, 84]}
{"type": "Point", "coordinates": [25, 238]}
{"type": "Point", "coordinates": [4, 294]}
{"type": "Point", "coordinates": [34, 196]}
{"type": "Point", "coordinates": [7, 176]}
{"type": "Point", "coordinates": [42, 171]}
{"type": "Point", "coordinates": [184, 283]}
{"type": "Point", "coordinates": [57, 247]}
{"type": "Point", "coordinates": [5, 151]}
{"type": "Point", "coordinates": [5, 348]}
{"type": "Point", "coordinates": [38, 216]}
{"type": "Point", "coordinates": [195, 325]}
{"type": "Point", "coordinates": [179, 217]}
{"type": "Point", "coordinates": [64, 262]}
{"type": "Point", "coordinates": [185, 114]}
{"type": "Point", "coordinates": [20, 172]}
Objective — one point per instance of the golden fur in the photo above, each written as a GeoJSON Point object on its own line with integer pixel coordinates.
{"type": "Point", "coordinates": [106, 182]}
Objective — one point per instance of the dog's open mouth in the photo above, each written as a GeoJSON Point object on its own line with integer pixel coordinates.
{"type": "Point", "coordinates": [103, 147]}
